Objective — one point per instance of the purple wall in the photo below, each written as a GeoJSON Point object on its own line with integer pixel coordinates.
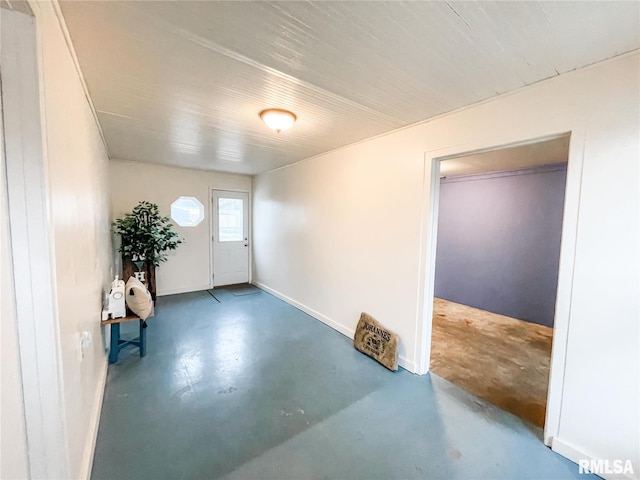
{"type": "Point", "coordinates": [499, 241]}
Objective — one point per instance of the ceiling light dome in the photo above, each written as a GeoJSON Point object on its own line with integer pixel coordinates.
{"type": "Point", "coordinates": [277, 119]}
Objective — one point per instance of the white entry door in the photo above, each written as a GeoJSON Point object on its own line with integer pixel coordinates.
{"type": "Point", "coordinates": [230, 237]}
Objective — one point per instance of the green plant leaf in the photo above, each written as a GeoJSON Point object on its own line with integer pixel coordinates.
{"type": "Point", "coordinates": [145, 233]}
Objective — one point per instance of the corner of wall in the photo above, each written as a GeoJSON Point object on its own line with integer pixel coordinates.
{"type": "Point", "coordinates": [72, 51]}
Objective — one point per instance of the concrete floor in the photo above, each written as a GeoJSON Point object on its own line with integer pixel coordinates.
{"type": "Point", "coordinates": [248, 387]}
{"type": "Point", "coordinates": [501, 359]}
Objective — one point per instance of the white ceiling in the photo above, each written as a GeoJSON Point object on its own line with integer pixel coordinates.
{"type": "Point", "coordinates": [182, 83]}
{"type": "Point", "coordinates": [534, 154]}
{"type": "Point", "coordinates": [17, 5]}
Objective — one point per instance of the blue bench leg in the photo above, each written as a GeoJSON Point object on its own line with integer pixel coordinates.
{"type": "Point", "coordinates": [143, 338]}
{"type": "Point", "coordinates": [115, 339]}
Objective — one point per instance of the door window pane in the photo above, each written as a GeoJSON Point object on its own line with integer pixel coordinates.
{"type": "Point", "coordinates": [230, 220]}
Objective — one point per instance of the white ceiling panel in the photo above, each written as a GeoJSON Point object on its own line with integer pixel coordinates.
{"type": "Point", "coordinates": [529, 155]}
{"type": "Point", "coordinates": [182, 83]}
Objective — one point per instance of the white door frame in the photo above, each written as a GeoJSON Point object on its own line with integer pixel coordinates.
{"type": "Point", "coordinates": [212, 223]}
{"type": "Point", "coordinates": [32, 246]}
{"type": "Point", "coordinates": [429, 235]}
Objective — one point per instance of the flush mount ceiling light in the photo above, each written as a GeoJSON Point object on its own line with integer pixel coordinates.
{"type": "Point", "coordinates": [277, 119]}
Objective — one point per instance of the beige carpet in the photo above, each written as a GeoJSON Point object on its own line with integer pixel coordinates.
{"type": "Point", "coordinates": [500, 359]}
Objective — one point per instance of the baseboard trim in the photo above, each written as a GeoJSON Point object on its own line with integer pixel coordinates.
{"type": "Point", "coordinates": [90, 448]}
{"type": "Point", "coordinates": [343, 329]}
{"type": "Point", "coordinates": [408, 365]}
{"type": "Point", "coordinates": [574, 454]}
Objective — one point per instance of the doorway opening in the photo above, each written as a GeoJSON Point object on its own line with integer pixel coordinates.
{"type": "Point", "coordinates": [499, 223]}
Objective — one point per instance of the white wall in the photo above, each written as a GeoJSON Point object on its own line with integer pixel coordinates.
{"type": "Point", "coordinates": [345, 232]}
{"type": "Point", "coordinates": [189, 267]}
{"type": "Point", "coordinates": [77, 176]}
{"type": "Point", "coordinates": [13, 439]}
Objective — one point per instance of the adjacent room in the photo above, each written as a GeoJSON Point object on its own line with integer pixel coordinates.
{"type": "Point", "coordinates": [202, 201]}
{"type": "Point", "coordinates": [496, 274]}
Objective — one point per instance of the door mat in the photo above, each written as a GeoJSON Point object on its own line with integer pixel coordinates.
{"type": "Point", "coordinates": [372, 339]}
{"type": "Point", "coordinates": [242, 289]}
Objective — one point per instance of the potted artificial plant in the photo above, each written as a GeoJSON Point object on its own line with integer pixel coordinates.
{"type": "Point", "coordinates": [146, 237]}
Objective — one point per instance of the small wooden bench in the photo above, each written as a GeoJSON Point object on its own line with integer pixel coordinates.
{"type": "Point", "coordinates": [118, 344]}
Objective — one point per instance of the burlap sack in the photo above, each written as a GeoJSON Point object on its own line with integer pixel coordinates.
{"type": "Point", "coordinates": [372, 339]}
